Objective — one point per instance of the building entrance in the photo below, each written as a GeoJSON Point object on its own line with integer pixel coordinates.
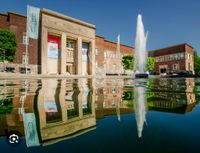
{"type": "Point", "coordinates": [53, 54]}
{"type": "Point", "coordinates": [162, 69]}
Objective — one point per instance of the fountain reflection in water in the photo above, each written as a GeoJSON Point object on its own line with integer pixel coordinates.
{"type": "Point", "coordinates": [140, 105]}
{"type": "Point", "coordinates": [140, 49]}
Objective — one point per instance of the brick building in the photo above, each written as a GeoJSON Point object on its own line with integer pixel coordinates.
{"type": "Point", "coordinates": [82, 52]}
{"type": "Point", "coordinates": [173, 59]}
{"type": "Point", "coordinates": [74, 41]}
{"type": "Point", "coordinates": [16, 23]}
{"type": "Point", "coordinates": [109, 55]}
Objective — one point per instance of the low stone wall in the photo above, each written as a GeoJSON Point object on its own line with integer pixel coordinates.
{"type": "Point", "coordinates": [7, 67]}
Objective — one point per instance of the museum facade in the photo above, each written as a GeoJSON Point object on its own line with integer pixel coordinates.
{"type": "Point", "coordinates": [64, 46]}
{"type": "Point", "coordinates": [68, 46]}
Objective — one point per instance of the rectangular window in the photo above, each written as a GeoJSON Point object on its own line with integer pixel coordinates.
{"type": "Point", "coordinates": [175, 66]}
{"type": "Point", "coordinates": [96, 51]}
{"type": "Point", "coordinates": [105, 54]}
{"type": "Point", "coordinates": [96, 98]}
{"type": "Point", "coordinates": [70, 44]}
{"type": "Point", "coordinates": [181, 56]}
{"type": "Point", "coordinates": [96, 64]}
{"type": "Point", "coordinates": [113, 90]}
{"type": "Point", "coordinates": [161, 59]}
{"type": "Point", "coordinates": [171, 57]}
{"type": "Point", "coordinates": [175, 56]}
{"type": "Point", "coordinates": [24, 59]}
{"type": "Point", "coordinates": [188, 56]}
{"type": "Point", "coordinates": [157, 59]}
{"type": "Point", "coordinates": [25, 40]}
{"type": "Point", "coordinates": [167, 57]}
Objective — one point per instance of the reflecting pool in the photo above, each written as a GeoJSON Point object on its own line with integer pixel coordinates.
{"type": "Point", "coordinates": [101, 115]}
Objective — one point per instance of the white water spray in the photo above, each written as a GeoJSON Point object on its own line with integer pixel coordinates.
{"type": "Point", "coordinates": [140, 47]}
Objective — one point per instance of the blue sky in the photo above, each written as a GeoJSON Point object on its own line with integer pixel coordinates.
{"type": "Point", "coordinates": [168, 22]}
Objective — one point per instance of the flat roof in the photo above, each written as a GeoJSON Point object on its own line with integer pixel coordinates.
{"type": "Point", "coordinates": [59, 15]}
{"type": "Point", "coordinates": [114, 42]}
{"type": "Point", "coordinates": [4, 14]}
{"type": "Point", "coordinates": [56, 14]}
{"type": "Point", "coordinates": [17, 14]}
{"type": "Point", "coordinates": [171, 47]}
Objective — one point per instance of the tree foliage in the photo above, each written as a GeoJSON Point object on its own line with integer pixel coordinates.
{"type": "Point", "coordinates": [8, 45]}
{"type": "Point", "coordinates": [196, 63]}
{"type": "Point", "coordinates": [128, 62]}
{"type": "Point", "coordinates": [150, 63]}
{"type": "Point", "coordinates": [6, 106]}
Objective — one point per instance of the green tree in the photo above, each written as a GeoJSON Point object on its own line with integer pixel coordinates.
{"type": "Point", "coordinates": [196, 63]}
{"type": "Point", "coordinates": [8, 45]}
{"type": "Point", "coordinates": [128, 62]}
{"type": "Point", "coordinates": [150, 63]}
{"type": "Point", "coordinates": [6, 106]}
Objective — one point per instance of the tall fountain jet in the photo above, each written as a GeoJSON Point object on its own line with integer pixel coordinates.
{"type": "Point", "coordinates": [140, 50]}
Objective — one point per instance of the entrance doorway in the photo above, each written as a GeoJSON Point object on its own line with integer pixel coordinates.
{"type": "Point", "coordinates": [69, 69]}
{"type": "Point", "coordinates": [53, 54]}
{"type": "Point", "coordinates": [162, 69]}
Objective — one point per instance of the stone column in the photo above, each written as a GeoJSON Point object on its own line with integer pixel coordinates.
{"type": "Point", "coordinates": [93, 96]}
{"type": "Point", "coordinates": [92, 54]}
{"type": "Point", "coordinates": [63, 53]}
{"type": "Point", "coordinates": [79, 56]}
{"type": "Point", "coordinates": [44, 57]}
{"type": "Point", "coordinates": [62, 100]}
{"type": "Point", "coordinates": [40, 107]}
{"type": "Point", "coordinates": [80, 98]}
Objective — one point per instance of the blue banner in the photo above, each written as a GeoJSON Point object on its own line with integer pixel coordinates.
{"type": "Point", "coordinates": [33, 15]}
{"type": "Point", "coordinates": [30, 130]}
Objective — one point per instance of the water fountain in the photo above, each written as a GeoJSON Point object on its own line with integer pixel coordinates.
{"type": "Point", "coordinates": [140, 50]}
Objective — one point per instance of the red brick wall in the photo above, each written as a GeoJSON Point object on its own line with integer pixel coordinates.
{"type": "Point", "coordinates": [126, 50]}
{"type": "Point", "coordinates": [17, 23]}
{"type": "Point", "coordinates": [172, 50]}
{"type": "Point", "coordinates": [3, 21]}
{"type": "Point", "coordinates": [168, 50]}
{"type": "Point", "coordinates": [100, 45]}
{"type": "Point", "coordinates": [104, 45]}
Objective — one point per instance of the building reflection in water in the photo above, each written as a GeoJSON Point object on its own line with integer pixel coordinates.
{"type": "Point", "coordinates": [59, 109]}
{"type": "Point", "coordinates": [138, 96]}
{"type": "Point", "coordinates": [169, 95]}
{"type": "Point", "coordinates": [109, 98]}
{"type": "Point", "coordinates": [47, 111]}
{"type": "Point", "coordinates": [66, 110]}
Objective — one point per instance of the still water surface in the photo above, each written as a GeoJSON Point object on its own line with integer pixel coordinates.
{"type": "Point", "coordinates": [101, 115]}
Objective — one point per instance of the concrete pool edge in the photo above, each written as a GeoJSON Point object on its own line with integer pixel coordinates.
{"type": "Point", "coordinates": [40, 76]}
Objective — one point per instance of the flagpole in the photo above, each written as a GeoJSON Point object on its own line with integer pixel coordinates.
{"type": "Point", "coordinates": [27, 40]}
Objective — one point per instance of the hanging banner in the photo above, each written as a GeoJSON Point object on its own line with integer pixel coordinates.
{"type": "Point", "coordinates": [30, 130]}
{"type": "Point", "coordinates": [33, 15]}
{"type": "Point", "coordinates": [50, 106]}
{"type": "Point", "coordinates": [53, 50]}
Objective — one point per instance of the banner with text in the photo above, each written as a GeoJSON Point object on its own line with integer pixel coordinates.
{"type": "Point", "coordinates": [33, 15]}
{"type": "Point", "coordinates": [30, 130]}
{"type": "Point", "coordinates": [53, 50]}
